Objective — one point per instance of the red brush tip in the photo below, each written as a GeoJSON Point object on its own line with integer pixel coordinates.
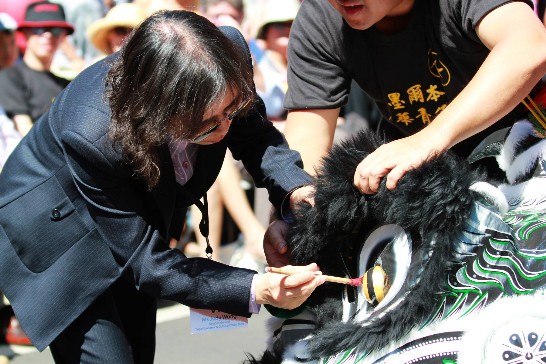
{"type": "Point", "coordinates": [356, 282]}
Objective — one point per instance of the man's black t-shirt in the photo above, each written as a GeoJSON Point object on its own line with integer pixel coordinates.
{"type": "Point", "coordinates": [412, 75]}
{"type": "Point", "coordinates": [24, 91]}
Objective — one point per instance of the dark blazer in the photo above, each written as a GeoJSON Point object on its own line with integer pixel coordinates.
{"type": "Point", "coordinates": [74, 219]}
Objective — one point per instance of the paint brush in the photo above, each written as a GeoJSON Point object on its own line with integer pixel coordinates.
{"type": "Point", "coordinates": [356, 282]}
{"type": "Point", "coordinates": [375, 282]}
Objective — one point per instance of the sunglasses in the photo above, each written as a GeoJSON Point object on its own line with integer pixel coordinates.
{"type": "Point", "coordinates": [216, 125]}
{"type": "Point", "coordinates": [55, 31]}
{"type": "Point", "coordinates": [122, 31]}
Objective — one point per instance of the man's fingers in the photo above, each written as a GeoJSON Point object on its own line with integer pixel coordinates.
{"type": "Point", "coordinates": [373, 183]}
{"type": "Point", "coordinates": [394, 176]}
{"type": "Point", "coordinates": [367, 180]}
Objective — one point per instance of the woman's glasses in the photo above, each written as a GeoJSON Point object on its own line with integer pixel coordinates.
{"type": "Point", "coordinates": [55, 31]}
{"type": "Point", "coordinates": [229, 117]}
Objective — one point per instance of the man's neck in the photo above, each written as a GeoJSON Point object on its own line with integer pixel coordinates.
{"type": "Point", "coordinates": [37, 64]}
{"type": "Point", "coordinates": [398, 19]}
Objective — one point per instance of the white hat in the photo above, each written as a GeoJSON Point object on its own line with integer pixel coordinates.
{"type": "Point", "coordinates": [277, 11]}
{"type": "Point", "coordinates": [127, 15]}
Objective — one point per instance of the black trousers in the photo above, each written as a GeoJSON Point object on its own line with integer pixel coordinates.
{"type": "Point", "coordinates": [119, 327]}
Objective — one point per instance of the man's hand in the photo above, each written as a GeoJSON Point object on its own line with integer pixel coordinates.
{"type": "Point", "coordinates": [393, 160]}
{"type": "Point", "coordinates": [288, 292]}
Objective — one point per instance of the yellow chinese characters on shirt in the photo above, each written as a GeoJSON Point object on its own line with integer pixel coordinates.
{"type": "Point", "coordinates": [430, 96]}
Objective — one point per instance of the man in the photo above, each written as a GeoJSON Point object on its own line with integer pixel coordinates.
{"type": "Point", "coordinates": [28, 88]}
{"type": "Point", "coordinates": [472, 61]}
{"type": "Point", "coordinates": [444, 73]}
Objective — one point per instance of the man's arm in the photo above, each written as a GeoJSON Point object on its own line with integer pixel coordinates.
{"type": "Point", "coordinates": [311, 132]}
{"type": "Point", "coordinates": [517, 61]}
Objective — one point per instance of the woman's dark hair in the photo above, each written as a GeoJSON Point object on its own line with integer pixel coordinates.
{"type": "Point", "coordinates": [175, 66]}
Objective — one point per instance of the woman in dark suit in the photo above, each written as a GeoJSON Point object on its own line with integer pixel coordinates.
{"type": "Point", "coordinates": [92, 195]}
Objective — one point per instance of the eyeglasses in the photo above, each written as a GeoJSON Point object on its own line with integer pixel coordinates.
{"type": "Point", "coordinates": [229, 117]}
{"type": "Point", "coordinates": [55, 31]}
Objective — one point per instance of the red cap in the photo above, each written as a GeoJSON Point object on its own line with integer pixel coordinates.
{"type": "Point", "coordinates": [45, 14]}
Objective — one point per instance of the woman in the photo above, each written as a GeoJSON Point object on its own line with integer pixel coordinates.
{"type": "Point", "coordinates": [91, 197]}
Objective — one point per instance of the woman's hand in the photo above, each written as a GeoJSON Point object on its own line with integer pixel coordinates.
{"type": "Point", "coordinates": [303, 194]}
{"type": "Point", "coordinates": [288, 292]}
{"type": "Point", "coordinates": [275, 247]}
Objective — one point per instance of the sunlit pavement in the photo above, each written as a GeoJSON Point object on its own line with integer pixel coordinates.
{"type": "Point", "coordinates": [175, 344]}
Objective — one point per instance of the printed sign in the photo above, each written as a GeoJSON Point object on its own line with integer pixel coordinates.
{"type": "Point", "coordinates": [202, 321]}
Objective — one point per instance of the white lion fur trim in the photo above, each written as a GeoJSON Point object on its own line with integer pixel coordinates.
{"type": "Point", "coordinates": [526, 161]}
{"type": "Point", "coordinates": [519, 131]}
{"type": "Point", "coordinates": [532, 192]}
{"type": "Point", "coordinates": [295, 354]}
{"type": "Point", "coordinates": [516, 166]}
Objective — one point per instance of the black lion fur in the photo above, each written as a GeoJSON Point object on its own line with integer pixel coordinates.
{"type": "Point", "coordinates": [431, 202]}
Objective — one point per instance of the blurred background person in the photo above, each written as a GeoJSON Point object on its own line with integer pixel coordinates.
{"type": "Point", "coordinates": [270, 73]}
{"type": "Point", "coordinates": [108, 33]}
{"type": "Point", "coordinates": [8, 46]}
{"type": "Point", "coordinates": [16, 9]}
{"type": "Point", "coordinates": [225, 12]}
{"type": "Point", "coordinates": [233, 13]}
{"type": "Point", "coordinates": [28, 88]}
{"type": "Point", "coordinates": [76, 50]}
{"type": "Point", "coordinates": [9, 137]}
{"type": "Point", "coordinates": [271, 70]}
{"type": "Point", "coordinates": [151, 6]}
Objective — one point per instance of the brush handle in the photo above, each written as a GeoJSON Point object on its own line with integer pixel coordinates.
{"type": "Point", "coordinates": [288, 271]}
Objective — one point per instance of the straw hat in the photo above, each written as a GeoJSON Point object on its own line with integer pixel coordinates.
{"type": "Point", "coordinates": [122, 15]}
{"type": "Point", "coordinates": [277, 11]}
